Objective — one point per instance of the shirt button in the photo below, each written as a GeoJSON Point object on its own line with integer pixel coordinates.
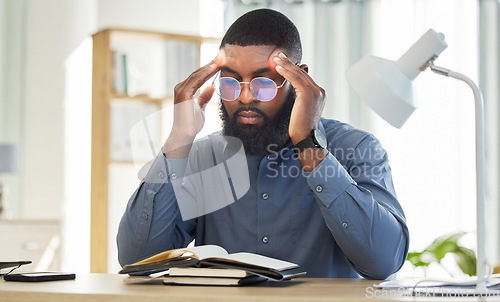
{"type": "Point", "coordinates": [265, 196]}
{"type": "Point", "coordinates": [319, 189]}
{"type": "Point", "coordinates": [265, 239]}
{"type": "Point", "coordinates": [344, 224]}
{"type": "Point", "coordinates": [173, 176]}
{"type": "Point", "coordinates": [161, 174]}
{"type": "Point", "coordinates": [145, 216]}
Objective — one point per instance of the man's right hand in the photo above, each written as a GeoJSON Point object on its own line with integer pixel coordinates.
{"type": "Point", "coordinates": [189, 113]}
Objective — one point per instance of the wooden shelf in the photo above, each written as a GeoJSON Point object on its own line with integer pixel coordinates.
{"type": "Point", "coordinates": [140, 97]}
{"type": "Point", "coordinates": [105, 100]}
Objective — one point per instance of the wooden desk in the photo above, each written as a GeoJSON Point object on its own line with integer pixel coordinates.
{"type": "Point", "coordinates": [107, 287]}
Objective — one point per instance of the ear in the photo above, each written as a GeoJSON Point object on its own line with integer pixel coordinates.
{"type": "Point", "coordinates": [304, 67]}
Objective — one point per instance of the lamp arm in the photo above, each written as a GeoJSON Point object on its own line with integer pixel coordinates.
{"type": "Point", "coordinates": [480, 171]}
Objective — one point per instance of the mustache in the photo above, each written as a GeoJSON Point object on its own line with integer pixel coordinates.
{"type": "Point", "coordinates": [257, 110]}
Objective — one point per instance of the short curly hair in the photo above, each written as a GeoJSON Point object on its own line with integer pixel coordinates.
{"type": "Point", "coordinates": [265, 27]}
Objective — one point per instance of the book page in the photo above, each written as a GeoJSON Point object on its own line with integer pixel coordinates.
{"type": "Point", "coordinates": [170, 254]}
{"type": "Point", "coordinates": [199, 252]}
{"type": "Point", "coordinates": [260, 260]}
{"type": "Point", "coordinates": [206, 251]}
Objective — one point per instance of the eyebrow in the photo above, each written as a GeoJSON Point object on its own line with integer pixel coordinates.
{"type": "Point", "coordinates": [258, 71]}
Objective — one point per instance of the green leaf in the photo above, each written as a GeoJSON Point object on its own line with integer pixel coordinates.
{"type": "Point", "coordinates": [417, 259]}
{"type": "Point", "coordinates": [466, 260]}
{"type": "Point", "coordinates": [437, 250]}
{"type": "Point", "coordinates": [444, 245]}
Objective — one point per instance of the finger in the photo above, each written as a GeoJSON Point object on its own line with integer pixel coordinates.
{"type": "Point", "coordinates": [204, 73]}
{"type": "Point", "coordinates": [201, 75]}
{"type": "Point", "coordinates": [186, 89]}
{"type": "Point", "coordinates": [220, 59]}
{"type": "Point", "coordinates": [206, 96]}
{"type": "Point", "coordinates": [302, 70]}
{"type": "Point", "coordinates": [290, 71]}
{"type": "Point", "coordinates": [298, 77]}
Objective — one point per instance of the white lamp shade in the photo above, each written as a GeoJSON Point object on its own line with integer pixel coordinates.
{"type": "Point", "coordinates": [385, 88]}
{"type": "Point", "coordinates": [8, 158]}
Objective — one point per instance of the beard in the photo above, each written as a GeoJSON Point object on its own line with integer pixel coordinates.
{"type": "Point", "coordinates": [264, 139]}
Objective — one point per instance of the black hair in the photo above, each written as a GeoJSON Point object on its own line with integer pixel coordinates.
{"type": "Point", "coordinates": [265, 27]}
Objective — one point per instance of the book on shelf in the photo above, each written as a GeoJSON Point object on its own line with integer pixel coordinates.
{"type": "Point", "coordinates": [216, 257]}
{"type": "Point", "coordinates": [120, 72]}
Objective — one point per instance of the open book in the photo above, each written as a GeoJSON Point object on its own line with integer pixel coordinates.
{"type": "Point", "coordinates": [213, 256]}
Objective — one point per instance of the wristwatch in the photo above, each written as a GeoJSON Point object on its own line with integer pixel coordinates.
{"type": "Point", "coordinates": [315, 140]}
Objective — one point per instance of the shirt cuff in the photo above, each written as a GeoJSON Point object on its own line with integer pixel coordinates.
{"type": "Point", "coordinates": [164, 170]}
{"type": "Point", "coordinates": [329, 180]}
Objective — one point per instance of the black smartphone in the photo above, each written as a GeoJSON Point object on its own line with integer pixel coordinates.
{"type": "Point", "coordinates": [39, 276]}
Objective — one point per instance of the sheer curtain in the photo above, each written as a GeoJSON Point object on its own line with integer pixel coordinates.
{"type": "Point", "coordinates": [432, 156]}
{"type": "Point", "coordinates": [489, 79]}
{"type": "Point", "coordinates": [333, 36]}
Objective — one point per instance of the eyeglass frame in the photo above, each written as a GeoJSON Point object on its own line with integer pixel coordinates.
{"type": "Point", "coordinates": [241, 88]}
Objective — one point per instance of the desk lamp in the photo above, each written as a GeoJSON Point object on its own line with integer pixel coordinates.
{"type": "Point", "coordinates": [8, 164]}
{"type": "Point", "coordinates": [387, 87]}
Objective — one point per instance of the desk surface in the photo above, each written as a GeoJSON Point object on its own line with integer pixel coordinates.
{"type": "Point", "coordinates": [108, 287]}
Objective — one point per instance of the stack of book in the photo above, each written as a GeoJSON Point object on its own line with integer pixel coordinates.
{"type": "Point", "coordinates": [212, 265]}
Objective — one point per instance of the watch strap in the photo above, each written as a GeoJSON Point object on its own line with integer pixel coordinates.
{"type": "Point", "coordinates": [304, 144]}
{"type": "Point", "coordinates": [308, 142]}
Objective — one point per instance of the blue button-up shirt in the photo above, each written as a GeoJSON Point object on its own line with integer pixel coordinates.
{"type": "Point", "coordinates": [340, 220]}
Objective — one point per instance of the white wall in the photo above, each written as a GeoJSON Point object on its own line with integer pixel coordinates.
{"type": "Point", "coordinates": [157, 15]}
{"type": "Point", "coordinates": [11, 76]}
{"type": "Point", "coordinates": [39, 40]}
{"type": "Point", "coordinates": [37, 37]}
{"type": "Point", "coordinates": [54, 28]}
{"type": "Point", "coordinates": [3, 46]}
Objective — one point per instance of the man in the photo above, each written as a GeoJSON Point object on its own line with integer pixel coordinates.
{"type": "Point", "coordinates": [328, 206]}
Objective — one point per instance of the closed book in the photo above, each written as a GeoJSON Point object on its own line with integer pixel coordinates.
{"type": "Point", "coordinates": [208, 272]}
{"type": "Point", "coordinates": [187, 280]}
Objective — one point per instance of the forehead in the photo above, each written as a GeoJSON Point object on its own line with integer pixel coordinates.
{"type": "Point", "coordinates": [250, 58]}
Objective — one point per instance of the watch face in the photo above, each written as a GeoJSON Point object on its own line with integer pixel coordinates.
{"type": "Point", "coordinates": [320, 138]}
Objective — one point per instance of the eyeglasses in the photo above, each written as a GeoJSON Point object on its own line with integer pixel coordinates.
{"type": "Point", "coordinates": [229, 89]}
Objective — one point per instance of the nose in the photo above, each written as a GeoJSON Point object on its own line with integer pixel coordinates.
{"type": "Point", "coordinates": [246, 96]}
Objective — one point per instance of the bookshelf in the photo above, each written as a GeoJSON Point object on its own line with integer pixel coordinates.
{"type": "Point", "coordinates": [133, 75]}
